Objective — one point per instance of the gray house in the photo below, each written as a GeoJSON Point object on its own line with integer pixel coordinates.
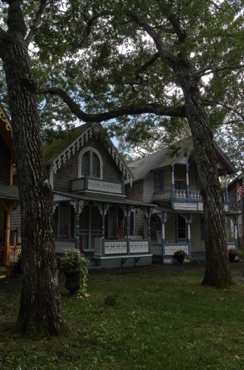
{"type": "Point", "coordinates": [90, 206]}
{"type": "Point", "coordinates": [169, 179]}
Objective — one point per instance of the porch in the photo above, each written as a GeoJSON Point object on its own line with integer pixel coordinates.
{"type": "Point", "coordinates": [166, 250]}
{"type": "Point", "coordinates": [112, 253]}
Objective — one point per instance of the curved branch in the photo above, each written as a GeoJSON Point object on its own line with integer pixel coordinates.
{"type": "Point", "coordinates": [165, 54]}
{"type": "Point", "coordinates": [214, 69]}
{"type": "Point", "coordinates": [157, 109]}
{"type": "Point", "coordinates": [36, 21]}
{"type": "Point", "coordinates": [207, 102]}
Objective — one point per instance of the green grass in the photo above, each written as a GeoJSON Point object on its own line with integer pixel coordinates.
{"type": "Point", "coordinates": [152, 319]}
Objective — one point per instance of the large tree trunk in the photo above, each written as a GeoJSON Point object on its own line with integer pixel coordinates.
{"type": "Point", "coordinates": [217, 272]}
{"type": "Point", "coordinates": [39, 312]}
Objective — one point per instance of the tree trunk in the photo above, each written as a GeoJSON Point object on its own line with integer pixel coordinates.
{"type": "Point", "coordinates": [217, 272]}
{"type": "Point", "coordinates": [39, 312]}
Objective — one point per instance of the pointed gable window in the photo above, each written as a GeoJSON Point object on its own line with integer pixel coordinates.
{"type": "Point", "coordinates": [90, 163]}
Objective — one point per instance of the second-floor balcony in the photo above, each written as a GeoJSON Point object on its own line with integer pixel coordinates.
{"type": "Point", "coordinates": [183, 198]}
{"type": "Point", "coordinates": [92, 185]}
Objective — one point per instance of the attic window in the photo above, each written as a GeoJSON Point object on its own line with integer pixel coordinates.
{"type": "Point", "coordinates": [90, 163]}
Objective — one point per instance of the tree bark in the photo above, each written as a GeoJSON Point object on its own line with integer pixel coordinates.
{"type": "Point", "coordinates": [217, 271]}
{"type": "Point", "coordinates": [39, 313]}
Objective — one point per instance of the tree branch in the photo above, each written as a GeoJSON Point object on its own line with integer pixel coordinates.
{"type": "Point", "coordinates": [164, 53]}
{"type": "Point", "coordinates": [172, 111]}
{"type": "Point", "coordinates": [15, 19]}
{"type": "Point", "coordinates": [146, 65]}
{"type": "Point", "coordinates": [214, 69]}
{"type": "Point", "coordinates": [209, 103]}
{"type": "Point", "coordinates": [36, 21]}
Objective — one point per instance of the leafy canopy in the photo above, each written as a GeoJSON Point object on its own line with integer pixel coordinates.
{"type": "Point", "coordinates": [103, 55]}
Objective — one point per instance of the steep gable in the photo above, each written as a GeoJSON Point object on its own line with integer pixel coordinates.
{"type": "Point", "coordinates": [176, 153]}
{"type": "Point", "coordinates": [61, 149]}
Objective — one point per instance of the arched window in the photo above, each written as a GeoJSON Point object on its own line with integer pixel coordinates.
{"type": "Point", "coordinates": [90, 163]}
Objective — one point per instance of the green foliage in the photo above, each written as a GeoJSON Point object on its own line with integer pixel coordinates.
{"type": "Point", "coordinates": [103, 59]}
{"type": "Point", "coordinates": [73, 260]}
{"type": "Point", "coordinates": [241, 254]}
{"type": "Point", "coordinates": [157, 308]}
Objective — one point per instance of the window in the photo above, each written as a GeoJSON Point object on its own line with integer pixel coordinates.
{"type": "Point", "coordinates": [180, 177]}
{"type": "Point", "coordinates": [90, 163]}
{"type": "Point", "coordinates": [158, 181]}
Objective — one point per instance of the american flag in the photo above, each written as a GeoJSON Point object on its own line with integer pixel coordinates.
{"type": "Point", "coordinates": [240, 189]}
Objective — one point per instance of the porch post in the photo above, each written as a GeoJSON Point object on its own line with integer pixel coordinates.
{"type": "Point", "coordinates": [7, 230]}
{"type": "Point", "coordinates": [187, 182]}
{"type": "Point", "coordinates": [79, 205]}
{"type": "Point", "coordinates": [189, 221]}
{"type": "Point", "coordinates": [173, 182]}
{"type": "Point", "coordinates": [236, 232]}
{"type": "Point", "coordinates": [164, 220]}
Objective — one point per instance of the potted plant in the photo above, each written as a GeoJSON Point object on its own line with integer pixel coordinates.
{"type": "Point", "coordinates": [180, 255]}
{"type": "Point", "coordinates": [232, 252]}
{"type": "Point", "coordinates": [75, 268]}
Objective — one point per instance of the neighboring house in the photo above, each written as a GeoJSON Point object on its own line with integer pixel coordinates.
{"type": "Point", "coordinates": [236, 200]}
{"type": "Point", "coordinates": [169, 179]}
{"type": "Point", "coordinates": [9, 196]}
{"type": "Point", "coordinates": [91, 209]}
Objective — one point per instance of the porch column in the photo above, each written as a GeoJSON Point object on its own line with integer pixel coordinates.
{"type": "Point", "coordinates": [7, 230]}
{"type": "Point", "coordinates": [187, 182]}
{"type": "Point", "coordinates": [103, 209]}
{"type": "Point", "coordinates": [189, 221]}
{"type": "Point", "coordinates": [236, 232]}
{"type": "Point", "coordinates": [173, 181]}
{"type": "Point", "coordinates": [78, 207]}
{"type": "Point", "coordinates": [164, 220]}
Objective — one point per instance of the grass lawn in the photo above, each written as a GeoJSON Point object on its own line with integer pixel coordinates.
{"type": "Point", "coordinates": [149, 318]}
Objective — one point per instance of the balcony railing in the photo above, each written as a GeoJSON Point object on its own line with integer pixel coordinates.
{"type": "Point", "coordinates": [168, 194]}
{"type": "Point", "coordinates": [181, 194]}
{"type": "Point", "coordinates": [96, 185]}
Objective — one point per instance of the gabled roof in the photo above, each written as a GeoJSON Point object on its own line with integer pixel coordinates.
{"type": "Point", "coordinates": [59, 150]}
{"type": "Point", "coordinates": [162, 158]}
{"type": "Point", "coordinates": [53, 149]}
{"type": "Point", "coordinates": [175, 153]}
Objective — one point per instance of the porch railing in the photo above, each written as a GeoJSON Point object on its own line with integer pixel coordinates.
{"type": "Point", "coordinates": [124, 246]}
{"type": "Point", "coordinates": [180, 194]}
{"type": "Point", "coordinates": [170, 248]}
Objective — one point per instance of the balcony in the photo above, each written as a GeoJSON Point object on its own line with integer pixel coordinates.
{"type": "Point", "coordinates": [87, 185]}
{"type": "Point", "coordinates": [183, 199]}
